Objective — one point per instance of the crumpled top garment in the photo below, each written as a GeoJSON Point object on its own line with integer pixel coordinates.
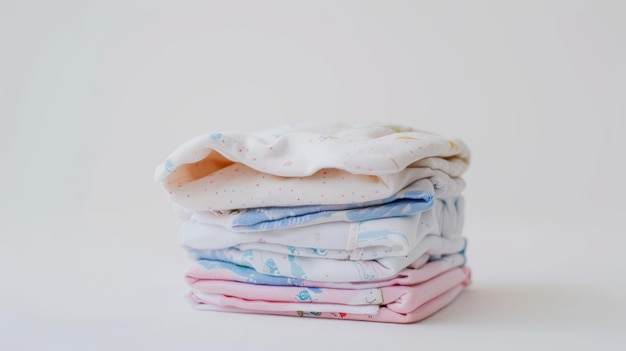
{"type": "Point", "coordinates": [306, 164]}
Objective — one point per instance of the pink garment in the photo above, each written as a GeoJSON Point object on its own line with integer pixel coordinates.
{"type": "Point", "coordinates": [399, 299]}
{"type": "Point", "coordinates": [384, 314]}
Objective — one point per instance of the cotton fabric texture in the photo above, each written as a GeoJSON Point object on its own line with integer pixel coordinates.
{"type": "Point", "coordinates": [322, 220]}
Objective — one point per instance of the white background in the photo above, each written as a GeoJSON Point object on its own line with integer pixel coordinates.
{"type": "Point", "coordinates": [93, 96]}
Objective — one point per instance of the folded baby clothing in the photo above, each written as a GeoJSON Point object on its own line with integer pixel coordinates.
{"type": "Point", "coordinates": [322, 220]}
{"type": "Point", "coordinates": [391, 236]}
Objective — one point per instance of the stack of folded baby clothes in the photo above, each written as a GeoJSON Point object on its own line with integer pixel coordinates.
{"type": "Point", "coordinates": [322, 220]}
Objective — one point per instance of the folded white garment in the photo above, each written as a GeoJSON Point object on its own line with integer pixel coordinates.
{"type": "Point", "coordinates": [364, 240]}
{"type": "Point", "coordinates": [331, 270]}
{"type": "Point", "coordinates": [308, 164]}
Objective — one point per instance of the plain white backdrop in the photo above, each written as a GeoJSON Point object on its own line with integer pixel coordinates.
{"type": "Point", "coordinates": [94, 95]}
